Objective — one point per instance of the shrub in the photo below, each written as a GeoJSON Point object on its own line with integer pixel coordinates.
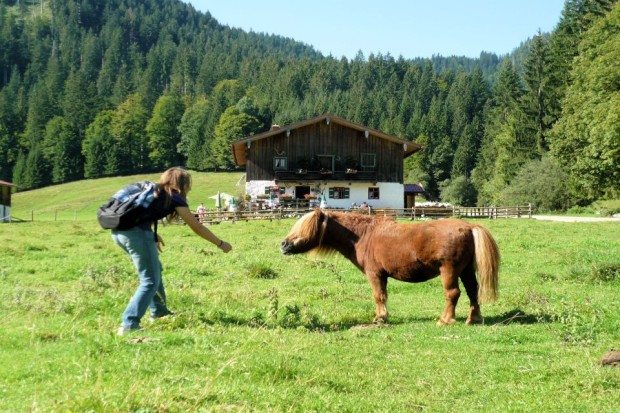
{"type": "Point", "coordinates": [543, 183]}
{"type": "Point", "coordinates": [458, 191]}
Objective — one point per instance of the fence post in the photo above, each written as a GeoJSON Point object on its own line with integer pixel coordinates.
{"type": "Point", "coordinates": [529, 210]}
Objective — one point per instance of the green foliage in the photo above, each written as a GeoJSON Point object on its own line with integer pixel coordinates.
{"type": "Point", "coordinates": [163, 132]}
{"type": "Point", "coordinates": [536, 100]}
{"type": "Point", "coordinates": [97, 146]}
{"type": "Point", "coordinates": [129, 150]}
{"type": "Point", "coordinates": [458, 191]}
{"type": "Point", "coordinates": [607, 207]}
{"type": "Point", "coordinates": [585, 138]}
{"type": "Point", "coordinates": [234, 124]}
{"type": "Point", "coordinates": [542, 183]}
{"type": "Point", "coordinates": [474, 117]}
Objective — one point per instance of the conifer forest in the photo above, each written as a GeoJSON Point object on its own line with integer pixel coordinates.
{"type": "Point", "coordinates": [92, 88]}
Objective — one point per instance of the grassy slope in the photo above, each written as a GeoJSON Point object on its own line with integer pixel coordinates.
{"type": "Point", "coordinates": [65, 285]}
{"type": "Point", "coordinates": [82, 198]}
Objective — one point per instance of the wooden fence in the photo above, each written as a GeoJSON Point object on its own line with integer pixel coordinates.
{"type": "Point", "coordinates": [215, 217]}
{"type": "Point", "coordinates": [418, 212]}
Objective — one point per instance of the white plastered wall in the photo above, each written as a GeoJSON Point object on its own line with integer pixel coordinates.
{"type": "Point", "coordinates": [391, 194]}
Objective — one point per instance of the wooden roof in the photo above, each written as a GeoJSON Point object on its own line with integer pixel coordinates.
{"type": "Point", "coordinates": [239, 146]}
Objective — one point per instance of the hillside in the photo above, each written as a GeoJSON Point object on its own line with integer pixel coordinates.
{"type": "Point", "coordinates": [81, 199]}
{"type": "Point", "coordinates": [95, 89]}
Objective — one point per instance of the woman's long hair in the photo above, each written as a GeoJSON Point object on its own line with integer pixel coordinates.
{"type": "Point", "coordinates": [175, 180]}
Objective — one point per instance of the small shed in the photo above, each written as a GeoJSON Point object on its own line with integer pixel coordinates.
{"type": "Point", "coordinates": [6, 188]}
{"type": "Point", "coordinates": [411, 190]}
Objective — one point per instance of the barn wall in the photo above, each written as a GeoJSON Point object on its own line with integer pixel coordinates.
{"type": "Point", "coordinates": [322, 139]}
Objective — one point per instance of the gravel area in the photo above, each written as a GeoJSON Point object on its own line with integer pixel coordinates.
{"type": "Point", "coordinates": [563, 218]}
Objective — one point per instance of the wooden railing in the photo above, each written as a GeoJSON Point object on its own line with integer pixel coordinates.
{"type": "Point", "coordinates": [419, 212]}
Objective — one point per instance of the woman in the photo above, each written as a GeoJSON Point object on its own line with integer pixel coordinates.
{"type": "Point", "coordinates": [142, 246]}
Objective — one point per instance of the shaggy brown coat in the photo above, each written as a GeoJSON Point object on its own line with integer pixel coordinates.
{"type": "Point", "coordinates": [382, 248]}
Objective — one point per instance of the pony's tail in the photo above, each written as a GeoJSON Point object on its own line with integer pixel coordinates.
{"type": "Point", "coordinates": [487, 263]}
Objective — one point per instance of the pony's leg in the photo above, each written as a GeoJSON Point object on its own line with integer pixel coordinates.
{"type": "Point", "coordinates": [471, 287]}
{"type": "Point", "coordinates": [451, 291]}
{"type": "Point", "coordinates": [379, 291]}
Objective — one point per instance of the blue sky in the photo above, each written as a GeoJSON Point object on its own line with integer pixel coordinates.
{"type": "Point", "coordinates": [411, 28]}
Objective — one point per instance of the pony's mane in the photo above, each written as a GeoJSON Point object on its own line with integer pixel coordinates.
{"type": "Point", "coordinates": [357, 223]}
{"type": "Point", "coordinates": [307, 226]}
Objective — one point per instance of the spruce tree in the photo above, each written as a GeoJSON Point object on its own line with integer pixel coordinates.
{"type": "Point", "coordinates": [163, 132]}
{"type": "Point", "coordinates": [537, 93]}
{"type": "Point", "coordinates": [98, 146]}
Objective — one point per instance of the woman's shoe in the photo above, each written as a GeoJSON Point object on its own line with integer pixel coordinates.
{"type": "Point", "coordinates": [122, 330]}
{"type": "Point", "coordinates": [154, 317]}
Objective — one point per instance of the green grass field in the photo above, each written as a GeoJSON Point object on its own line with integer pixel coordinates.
{"type": "Point", "coordinates": [257, 331]}
{"type": "Point", "coordinates": [78, 200]}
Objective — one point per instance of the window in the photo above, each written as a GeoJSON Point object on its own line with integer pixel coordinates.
{"type": "Point", "coordinates": [274, 191]}
{"type": "Point", "coordinates": [368, 160]}
{"type": "Point", "coordinates": [326, 162]}
{"type": "Point", "coordinates": [373, 193]}
{"type": "Point", "coordinates": [339, 192]}
{"type": "Point", "coordinates": [280, 163]}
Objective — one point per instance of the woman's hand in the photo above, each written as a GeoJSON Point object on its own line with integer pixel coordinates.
{"type": "Point", "coordinates": [160, 243]}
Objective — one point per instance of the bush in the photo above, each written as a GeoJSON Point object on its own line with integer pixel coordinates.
{"type": "Point", "coordinates": [458, 191]}
{"type": "Point", "coordinates": [607, 207]}
{"type": "Point", "coordinates": [543, 183]}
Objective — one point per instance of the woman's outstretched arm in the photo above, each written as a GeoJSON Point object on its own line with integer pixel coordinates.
{"type": "Point", "coordinates": [189, 218]}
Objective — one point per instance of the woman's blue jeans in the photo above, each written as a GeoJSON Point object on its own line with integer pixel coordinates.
{"type": "Point", "coordinates": [140, 244]}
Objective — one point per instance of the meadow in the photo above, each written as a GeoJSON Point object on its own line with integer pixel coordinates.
{"type": "Point", "coordinates": [258, 331]}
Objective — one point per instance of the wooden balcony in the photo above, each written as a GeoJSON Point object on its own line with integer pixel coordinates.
{"type": "Point", "coordinates": [284, 176]}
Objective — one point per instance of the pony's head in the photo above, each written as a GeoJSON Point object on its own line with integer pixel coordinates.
{"type": "Point", "coordinates": [306, 234]}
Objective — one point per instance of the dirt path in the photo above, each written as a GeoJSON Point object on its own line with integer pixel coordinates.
{"type": "Point", "coordinates": [562, 218]}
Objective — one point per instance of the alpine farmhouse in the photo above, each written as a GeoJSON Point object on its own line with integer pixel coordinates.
{"type": "Point", "coordinates": [326, 158]}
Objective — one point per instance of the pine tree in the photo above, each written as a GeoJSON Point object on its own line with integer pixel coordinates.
{"type": "Point", "coordinates": [98, 146]}
{"type": "Point", "coordinates": [537, 94]}
{"type": "Point", "coordinates": [62, 151]}
{"type": "Point", "coordinates": [36, 173]}
{"type": "Point", "coordinates": [163, 132]}
{"type": "Point", "coordinates": [193, 138]}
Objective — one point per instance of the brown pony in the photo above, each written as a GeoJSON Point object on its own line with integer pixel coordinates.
{"type": "Point", "coordinates": [382, 248]}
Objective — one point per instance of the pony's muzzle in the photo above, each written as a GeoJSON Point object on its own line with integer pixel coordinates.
{"type": "Point", "coordinates": [285, 247]}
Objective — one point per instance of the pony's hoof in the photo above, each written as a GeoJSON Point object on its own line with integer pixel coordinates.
{"type": "Point", "coordinates": [379, 320]}
{"type": "Point", "coordinates": [474, 320]}
{"type": "Point", "coordinates": [442, 322]}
